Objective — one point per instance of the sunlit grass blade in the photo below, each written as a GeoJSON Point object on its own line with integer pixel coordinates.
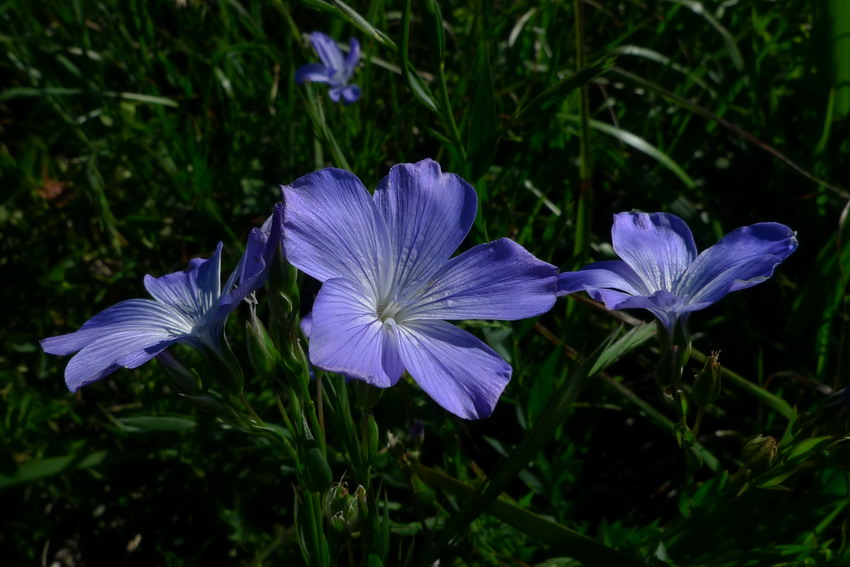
{"type": "Point", "coordinates": [639, 144]}
{"type": "Point", "coordinates": [728, 40]}
{"type": "Point", "coordinates": [705, 113]}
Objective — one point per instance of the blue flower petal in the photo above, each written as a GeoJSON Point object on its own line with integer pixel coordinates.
{"type": "Point", "coordinates": [193, 291]}
{"type": "Point", "coordinates": [657, 246]}
{"type": "Point", "coordinates": [743, 258]}
{"type": "Point", "coordinates": [332, 228]}
{"type": "Point", "coordinates": [352, 59]}
{"type": "Point", "coordinates": [127, 334]}
{"type": "Point", "coordinates": [131, 314]}
{"type": "Point", "coordinates": [128, 348]}
{"type": "Point", "coordinates": [314, 73]}
{"type": "Point", "coordinates": [428, 213]}
{"type": "Point", "coordinates": [327, 50]}
{"type": "Point", "coordinates": [461, 373]}
{"type": "Point", "coordinates": [500, 280]}
{"type": "Point", "coordinates": [347, 337]}
{"type": "Point", "coordinates": [608, 274]}
{"type": "Point", "coordinates": [350, 93]}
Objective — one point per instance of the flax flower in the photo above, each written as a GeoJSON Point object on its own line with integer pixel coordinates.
{"type": "Point", "coordinates": [336, 70]}
{"type": "Point", "coordinates": [188, 307]}
{"type": "Point", "coordinates": [661, 271]}
{"type": "Point", "coordinates": [390, 284]}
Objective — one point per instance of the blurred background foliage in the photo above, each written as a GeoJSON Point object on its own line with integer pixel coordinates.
{"type": "Point", "coordinates": [135, 135]}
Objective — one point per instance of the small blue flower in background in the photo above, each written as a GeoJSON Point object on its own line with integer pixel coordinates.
{"type": "Point", "coordinates": [390, 284]}
{"type": "Point", "coordinates": [661, 271]}
{"type": "Point", "coordinates": [189, 307]}
{"type": "Point", "coordinates": [335, 69]}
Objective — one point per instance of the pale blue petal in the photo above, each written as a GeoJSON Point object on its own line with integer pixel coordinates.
{"type": "Point", "coordinates": [336, 92]}
{"type": "Point", "coordinates": [608, 274]}
{"type": "Point", "coordinates": [500, 280]}
{"type": "Point", "coordinates": [131, 315]}
{"type": "Point", "coordinates": [128, 348]}
{"type": "Point", "coordinates": [659, 247]}
{"type": "Point", "coordinates": [428, 214]}
{"type": "Point", "coordinates": [352, 59]}
{"type": "Point", "coordinates": [314, 73]}
{"type": "Point", "coordinates": [306, 324]}
{"type": "Point", "coordinates": [347, 337]}
{"type": "Point", "coordinates": [194, 291]}
{"type": "Point", "coordinates": [461, 373]}
{"type": "Point", "coordinates": [350, 93]}
{"type": "Point", "coordinates": [743, 258]}
{"type": "Point", "coordinates": [327, 50]}
{"type": "Point", "coordinates": [666, 307]}
{"type": "Point", "coordinates": [332, 229]}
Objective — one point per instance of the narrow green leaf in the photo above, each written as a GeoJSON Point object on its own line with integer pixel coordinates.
{"type": "Point", "coordinates": [481, 130]}
{"type": "Point", "coordinates": [42, 468]}
{"type": "Point", "coordinates": [729, 41]}
{"type": "Point", "coordinates": [156, 423]}
{"type": "Point", "coordinates": [417, 85]}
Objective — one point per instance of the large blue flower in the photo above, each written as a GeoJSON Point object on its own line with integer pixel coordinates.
{"type": "Point", "coordinates": [335, 69]}
{"type": "Point", "coordinates": [189, 307]}
{"type": "Point", "coordinates": [390, 283]}
{"type": "Point", "coordinates": [661, 271]}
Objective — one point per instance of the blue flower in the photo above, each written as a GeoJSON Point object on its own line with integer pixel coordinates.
{"type": "Point", "coordinates": [389, 284]}
{"type": "Point", "coordinates": [189, 307]}
{"type": "Point", "coordinates": [661, 271]}
{"type": "Point", "coordinates": [335, 69]}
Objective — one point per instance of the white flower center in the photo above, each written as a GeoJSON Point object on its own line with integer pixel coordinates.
{"type": "Point", "coordinates": [389, 310]}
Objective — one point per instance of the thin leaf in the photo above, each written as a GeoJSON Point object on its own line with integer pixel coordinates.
{"type": "Point", "coordinates": [640, 145]}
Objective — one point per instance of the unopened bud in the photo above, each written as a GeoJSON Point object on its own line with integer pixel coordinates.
{"type": "Point", "coordinates": [759, 453]}
{"type": "Point", "coordinates": [707, 382]}
{"type": "Point", "coordinates": [344, 510]}
{"type": "Point", "coordinates": [262, 352]}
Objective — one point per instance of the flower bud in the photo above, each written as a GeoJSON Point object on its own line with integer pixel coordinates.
{"type": "Point", "coordinates": [344, 510]}
{"type": "Point", "coordinates": [668, 374]}
{"type": "Point", "coordinates": [262, 352]}
{"type": "Point", "coordinates": [707, 382]}
{"type": "Point", "coordinates": [759, 453]}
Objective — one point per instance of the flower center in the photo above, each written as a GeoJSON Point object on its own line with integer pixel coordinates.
{"type": "Point", "coordinates": [389, 310]}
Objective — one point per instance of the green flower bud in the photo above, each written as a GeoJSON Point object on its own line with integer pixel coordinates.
{"type": "Point", "coordinates": [372, 438]}
{"type": "Point", "coordinates": [262, 352]}
{"type": "Point", "coordinates": [345, 511]}
{"type": "Point", "coordinates": [707, 382]}
{"type": "Point", "coordinates": [759, 453]}
{"type": "Point", "coordinates": [668, 374]}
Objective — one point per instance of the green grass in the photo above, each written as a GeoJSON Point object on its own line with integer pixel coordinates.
{"type": "Point", "coordinates": [136, 135]}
